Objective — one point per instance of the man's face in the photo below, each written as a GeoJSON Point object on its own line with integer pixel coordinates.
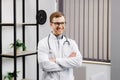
{"type": "Point", "coordinates": [58, 25]}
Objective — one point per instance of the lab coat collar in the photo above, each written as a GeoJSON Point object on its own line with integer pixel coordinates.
{"type": "Point", "coordinates": [56, 37]}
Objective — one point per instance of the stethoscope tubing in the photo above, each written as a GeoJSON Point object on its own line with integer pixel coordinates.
{"type": "Point", "coordinates": [66, 41]}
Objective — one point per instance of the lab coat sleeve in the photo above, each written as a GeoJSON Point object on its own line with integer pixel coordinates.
{"type": "Point", "coordinates": [73, 61]}
{"type": "Point", "coordinates": [43, 59]}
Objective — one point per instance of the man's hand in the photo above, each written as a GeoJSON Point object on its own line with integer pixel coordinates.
{"type": "Point", "coordinates": [52, 59]}
{"type": "Point", "coordinates": [73, 54]}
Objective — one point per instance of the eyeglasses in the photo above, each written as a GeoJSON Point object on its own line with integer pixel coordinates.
{"type": "Point", "coordinates": [59, 23]}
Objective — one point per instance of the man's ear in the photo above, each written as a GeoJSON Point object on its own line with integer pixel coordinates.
{"type": "Point", "coordinates": [51, 24]}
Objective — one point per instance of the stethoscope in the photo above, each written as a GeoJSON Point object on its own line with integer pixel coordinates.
{"type": "Point", "coordinates": [65, 42]}
{"type": "Point", "coordinates": [51, 55]}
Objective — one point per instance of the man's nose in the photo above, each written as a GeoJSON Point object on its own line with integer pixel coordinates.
{"type": "Point", "coordinates": [59, 24]}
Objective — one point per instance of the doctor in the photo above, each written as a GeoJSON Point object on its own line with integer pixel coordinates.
{"type": "Point", "coordinates": [57, 54]}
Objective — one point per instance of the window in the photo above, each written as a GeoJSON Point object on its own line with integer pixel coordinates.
{"type": "Point", "coordinates": [88, 22]}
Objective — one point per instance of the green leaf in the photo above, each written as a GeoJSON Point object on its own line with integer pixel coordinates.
{"type": "Point", "coordinates": [18, 45]}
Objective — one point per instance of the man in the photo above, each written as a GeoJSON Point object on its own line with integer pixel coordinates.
{"type": "Point", "coordinates": [57, 55]}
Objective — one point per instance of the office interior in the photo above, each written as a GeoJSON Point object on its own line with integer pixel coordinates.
{"type": "Point", "coordinates": [28, 31]}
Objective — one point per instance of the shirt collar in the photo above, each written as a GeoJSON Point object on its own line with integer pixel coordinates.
{"type": "Point", "coordinates": [56, 37]}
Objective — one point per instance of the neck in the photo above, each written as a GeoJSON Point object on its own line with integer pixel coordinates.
{"type": "Point", "coordinates": [58, 36]}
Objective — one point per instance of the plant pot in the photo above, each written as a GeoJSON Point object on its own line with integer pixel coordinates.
{"type": "Point", "coordinates": [19, 50]}
{"type": "Point", "coordinates": [12, 79]}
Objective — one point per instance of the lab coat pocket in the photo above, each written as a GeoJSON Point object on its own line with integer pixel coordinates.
{"type": "Point", "coordinates": [48, 76]}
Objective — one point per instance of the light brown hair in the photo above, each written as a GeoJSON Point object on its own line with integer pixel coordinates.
{"type": "Point", "coordinates": [55, 15]}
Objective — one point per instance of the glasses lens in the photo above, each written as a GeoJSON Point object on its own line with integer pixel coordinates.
{"type": "Point", "coordinates": [58, 23]}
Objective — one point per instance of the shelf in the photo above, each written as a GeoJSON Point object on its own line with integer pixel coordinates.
{"type": "Point", "coordinates": [19, 54]}
{"type": "Point", "coordinates": [12, 24]}
{"type": "Point", "coordinates": [29, 24]}
{"type": "Point", "coordinates": [6, 24]}
{"type": "Point", "coordinates": [26, 79]}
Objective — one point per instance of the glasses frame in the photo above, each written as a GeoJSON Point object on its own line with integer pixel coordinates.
{"type": "Point", "coordinates": [59, 23]}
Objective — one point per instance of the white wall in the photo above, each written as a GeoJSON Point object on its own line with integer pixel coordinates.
{"type": "Point", "coordinates": [93, 69]}
{"type": "Point", "coordinates": [115, 40]}
{"type": "Point", "coordinates": [49, 6]}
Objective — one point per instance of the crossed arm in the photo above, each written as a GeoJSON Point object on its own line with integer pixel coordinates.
{"type": "Point", "coordinates": [73, 54]}
{"type": "Point", "coordinates": [58, 64]}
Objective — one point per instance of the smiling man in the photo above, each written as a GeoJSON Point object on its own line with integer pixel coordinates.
{"type": "Point", "coordinates": [57, 54]}
{"type": "Point", "coordinates": [57, 24]}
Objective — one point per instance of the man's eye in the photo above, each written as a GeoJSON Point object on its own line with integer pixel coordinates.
{"type": "Point", "coordinates": [59, 23]}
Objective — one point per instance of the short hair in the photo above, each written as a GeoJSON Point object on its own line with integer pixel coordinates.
{"type": "Point", "coordinates": [56, 15]}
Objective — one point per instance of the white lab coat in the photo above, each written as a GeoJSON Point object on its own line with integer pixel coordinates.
{"type": "Point", "coordinates": [63, 68]}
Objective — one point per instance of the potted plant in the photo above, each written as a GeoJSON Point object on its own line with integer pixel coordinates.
{"type": "Point", "coordinates": [10, 75]}
{"type": "Point", "coordinates": [19, 45]}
